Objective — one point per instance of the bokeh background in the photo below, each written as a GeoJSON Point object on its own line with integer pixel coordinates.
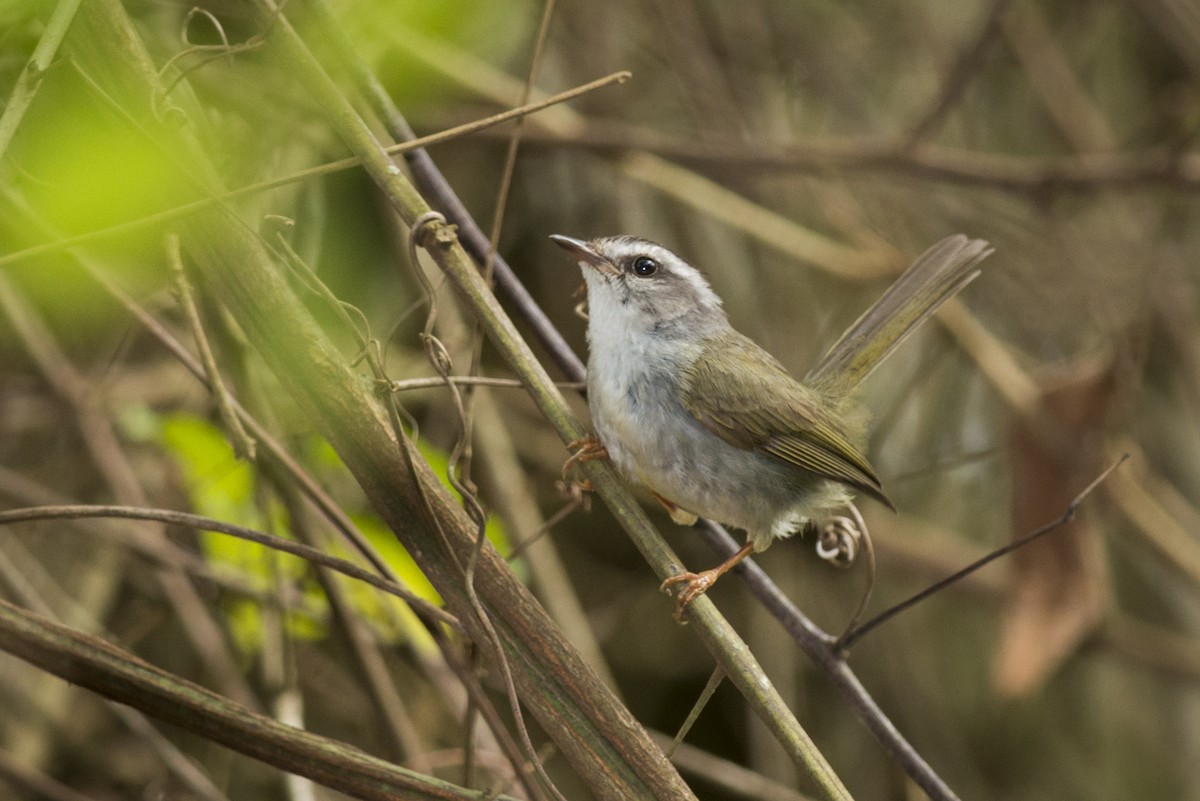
{"type": "Point", "coordinates": [801, 154]}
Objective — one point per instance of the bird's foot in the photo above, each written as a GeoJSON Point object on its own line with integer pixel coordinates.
{"type": "Point", "coordinates": [696, 584]}
{"type": "Point", "coordinates": [587, 448]}
{"type": "Point", "coordinates": [838, 540]}
{"type": "Point", "coordinates": [679, 515]}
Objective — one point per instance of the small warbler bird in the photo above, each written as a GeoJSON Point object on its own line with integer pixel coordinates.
{"type": "Point", "coordinates": [711, 423]}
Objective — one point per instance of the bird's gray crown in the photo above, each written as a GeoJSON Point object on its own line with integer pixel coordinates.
{"type": "Point", "coordinates": [668, 277]}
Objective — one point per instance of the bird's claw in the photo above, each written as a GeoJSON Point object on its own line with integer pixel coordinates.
{"type": "Point", "coordinates": [587, 448]}
{"type": "Point", "coordinates": [695, 585]}
{"type": "Point", "coordinates": [838, 541]}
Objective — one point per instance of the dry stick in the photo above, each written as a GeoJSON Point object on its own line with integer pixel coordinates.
{"type": "Point", "coordinates": [514, 141]}
{"type": "Point", "coordinates": [439, 358]}
{"type": "Point", "coordinates": [176, 762]}
{"type": "Point", "coordinates": [858, 632]}
{"type": "Point", "coordinates": [159, 552]}
{"type": "Point", "coordinates": [710, 688]}
{"type": "Point", "coordinates": [243, 445]}
{"type": "Point", "coordinates": [195, 206]}
{"type": "Point", "coordinates": [405, 384]}
{"type": "Point", "coordinates": [868, 547]}
{"type": "Point", "coordinates": [100, 666]}
{"type": "Point", "coordinates": [201, 523]}
{"type": "Point", "coordinates": [461, 460]}
{"type": "Point", "coordinates": [732, 778]}
{"type": "Point", "coordinates": [969, 62]}
{"type": "Point", "coordinates": [949, 165]}
{"type": "Point", "coordinates": [406, 744]}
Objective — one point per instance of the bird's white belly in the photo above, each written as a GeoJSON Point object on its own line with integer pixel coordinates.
{"type": "Point", "coordinates": [652, 440]}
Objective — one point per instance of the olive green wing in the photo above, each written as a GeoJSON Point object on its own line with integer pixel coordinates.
{"type": "Point", "coordinates": [743, 395]}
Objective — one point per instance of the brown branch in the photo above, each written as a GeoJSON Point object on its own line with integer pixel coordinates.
{"type": "Point", "coordinates": [73, 512]}
{"type": "Point", "coordinates": [966, 66]}
{"type": "Point", "coordinates": [858, 632]}
{"type": "Point", "coordinates": [118, 675]}
{"type": "Point", "coordinates": [1039, 176]}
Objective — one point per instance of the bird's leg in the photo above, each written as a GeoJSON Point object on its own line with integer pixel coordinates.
{"type": "Point", "coordinates": [587, 448]}
{"type": "Point", "coordinates": [678, 514]}
{"type": "Point", "coordinates": [696, 584]}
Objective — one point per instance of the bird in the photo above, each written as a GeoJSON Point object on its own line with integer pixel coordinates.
{"type": "Point", "coordinates": [711, 423]}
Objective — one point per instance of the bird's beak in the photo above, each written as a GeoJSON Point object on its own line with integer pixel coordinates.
{"type": "Point", "coordinates": [585, 253]}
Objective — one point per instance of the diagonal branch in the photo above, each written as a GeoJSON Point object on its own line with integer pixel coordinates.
{"type": "Point", "coordinates": [93, 663]}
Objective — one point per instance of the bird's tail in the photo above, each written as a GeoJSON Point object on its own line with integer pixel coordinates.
{"type": "Point", "coordinates": [935, 277]}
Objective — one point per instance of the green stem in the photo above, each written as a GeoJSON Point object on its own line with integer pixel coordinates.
{"type": "Point", "coordinates": [31, 77]}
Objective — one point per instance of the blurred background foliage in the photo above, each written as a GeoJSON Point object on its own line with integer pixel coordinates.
{"type": "Point", "coordinates": [800, 154]}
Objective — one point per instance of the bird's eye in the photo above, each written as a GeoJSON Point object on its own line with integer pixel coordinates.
{"type": "Point", "coordinates": [644, 266]}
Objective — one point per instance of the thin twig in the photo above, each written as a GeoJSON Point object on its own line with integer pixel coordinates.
{"type": "Point", "coordinates": [243, 444]}
{"type": "Point", "coordinates": [424, 233]}
{"type": "Point", "coordinates": [460, 462]}
{"type": "Point", "coordinates": [869, 553]}
{"type": "Point", "coordinates": [463, 453]}
{"type": "Point", "coordinates": [732, 778]}
{"type": "Point", "coordinates": [854, 635]}
{"type": "Point", "coordinates": [966, 66]}
{"type": "Point", "coordinates": [405, 384]}
{"type": "Point", "coordinates": [201, 523]}
{"type": "Point", "coordinates": [710, 687]}
{"type": "Point", "coordinates": [187, 209]}
{"type": "Point", "coordinates": [1038, 176]}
